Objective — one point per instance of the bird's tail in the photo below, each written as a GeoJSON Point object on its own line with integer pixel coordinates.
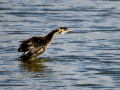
{"type": "Point", "coordinates": [27, 55]}
{"type": "Point", "coordinates": [23, 56]}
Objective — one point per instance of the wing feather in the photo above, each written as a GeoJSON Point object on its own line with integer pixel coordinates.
{"type": "Point", "coordinates": [32, 47]}
{"type": "Point", "coordinates": [32, 43]}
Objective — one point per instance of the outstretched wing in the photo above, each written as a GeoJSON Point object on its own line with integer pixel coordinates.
{"type": "Point", "coordinates": [32, 44]}
{"type": "Point", "coordinates": [32, 47]}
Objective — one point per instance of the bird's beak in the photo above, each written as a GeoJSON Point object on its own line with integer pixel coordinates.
{"type": "Point", "coordinates": [62, 32]}
{"type": "Point", "coordinates": [69, 30]}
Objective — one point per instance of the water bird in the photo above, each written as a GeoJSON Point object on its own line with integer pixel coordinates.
{"type": "Point", "coordinates": [36, 45]}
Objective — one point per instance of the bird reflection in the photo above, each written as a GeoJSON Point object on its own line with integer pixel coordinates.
{"type": "Point", "coordinates": [35, 67]}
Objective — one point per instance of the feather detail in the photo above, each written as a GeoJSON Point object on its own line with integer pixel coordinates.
{"type": "Point", "coordinates": [36, 45]}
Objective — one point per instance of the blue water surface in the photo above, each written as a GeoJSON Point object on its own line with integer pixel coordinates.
{"type": "Point", "coordinates": [87, 58]}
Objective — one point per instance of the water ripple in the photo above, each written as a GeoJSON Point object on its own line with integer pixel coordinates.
{"type": "Point", "coordinates": [86, 58]}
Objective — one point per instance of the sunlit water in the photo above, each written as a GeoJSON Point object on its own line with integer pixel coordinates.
{"type": "Point", "coordinates": [87, 58]}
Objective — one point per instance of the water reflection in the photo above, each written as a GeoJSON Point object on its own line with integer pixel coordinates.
{"type": "Point", "coordinates": [89, 56]}
{"type": "Point", "coordinates": [35, 67]}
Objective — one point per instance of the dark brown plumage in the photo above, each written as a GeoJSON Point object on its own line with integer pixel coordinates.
{"type": "Point", "coordinates": [37, 44]}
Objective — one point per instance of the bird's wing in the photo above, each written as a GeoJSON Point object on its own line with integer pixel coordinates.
{"type": "Point", "coordinates": [33, 44]}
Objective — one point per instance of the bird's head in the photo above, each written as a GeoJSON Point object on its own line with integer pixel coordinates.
{"type": "Point", "coordinates": [63, 30]}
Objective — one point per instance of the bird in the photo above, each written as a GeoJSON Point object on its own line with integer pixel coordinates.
{"type": "Point", "coordinates": [36, 45]}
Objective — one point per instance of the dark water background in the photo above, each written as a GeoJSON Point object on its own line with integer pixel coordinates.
{"type": "Point", "coordinates": [86, 59]}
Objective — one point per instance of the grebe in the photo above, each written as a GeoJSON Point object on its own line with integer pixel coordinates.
{"type": "Point", "coordinates": [36, 45]}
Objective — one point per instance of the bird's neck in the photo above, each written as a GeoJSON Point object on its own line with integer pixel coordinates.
{"type": "Point", "coordinates": [50, 36]}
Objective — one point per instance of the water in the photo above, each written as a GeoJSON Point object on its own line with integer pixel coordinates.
{"type": "Point", "coordinates": [86, 59]}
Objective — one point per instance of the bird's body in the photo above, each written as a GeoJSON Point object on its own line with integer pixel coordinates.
{"type": "Point", "coordinates": [36, 45]}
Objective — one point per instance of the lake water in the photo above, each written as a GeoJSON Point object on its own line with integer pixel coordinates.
{"type": "Point", "coordinates": [86, 59]}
